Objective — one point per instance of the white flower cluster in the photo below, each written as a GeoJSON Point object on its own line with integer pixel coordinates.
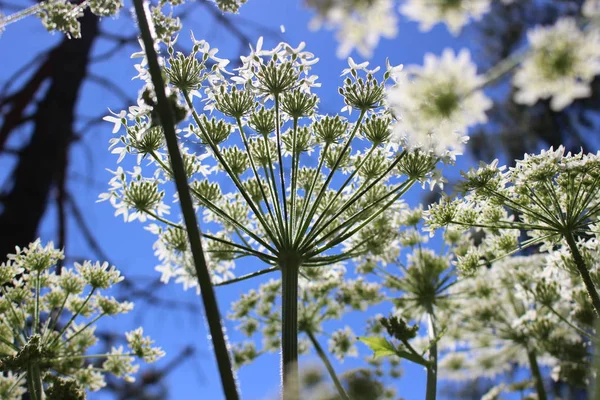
{"type": "Point", "coordinates": [436, 103]}
{"type": "Point", "coordinates": [47, 326]}
{"type": "Point", "coordinates": [268, 106]}
{"type": "Point", "coordinates": [359, 24]}
{"type": "Point", "coordinates": [455, 14]}
{"type": "Point", "coordinates": [525, 314]}
{"type": "Point", "coordinates": [562, 63]}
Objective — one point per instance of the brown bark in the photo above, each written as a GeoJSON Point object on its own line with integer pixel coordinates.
{"type": "Point", "coordinates": [43, 161]}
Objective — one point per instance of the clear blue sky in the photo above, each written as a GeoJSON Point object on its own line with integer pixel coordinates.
{"type": "Point", "coordinates": [130, 247]}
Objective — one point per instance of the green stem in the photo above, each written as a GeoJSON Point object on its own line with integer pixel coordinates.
{"type": "Point", "coordinates": [364, 188]}
{"type": "Point", "coordinates": [270, 176]}
{"type": "Point", "coordinates": [323, 215]}
{"type": "Point", "coordinates": [345, 230]}
{"type": "Point", "coordinates": [433, 358]}
{"type": "Point", "coordinates": [35, 387]}
{"type": "Point", "coordinates": [573, 326]}
{"type": "Point", "coordinates": [583, 271]}
{"type": "Point", "coordinates": [255, 171]}
{"type": "Point", "coordinates": [265, 257]}
{"type": "Point", "coordinates": [62, 331]}
{"type": "Point", "coordinates": [308, 195]}
{"type": "Point", "coordinates": [57, 316]}
{"type": "Point", "coordinates": [214, 208]}
{"type": "Point", "coordinates": [211, 308]}
{"type": "Point", "coordinates": [36, 317]}
{"type": "Point", "coordinates": [332, 374]}
{"type": "Point", "coordinates": [236, 181]}
{"type": "Point", "coordinates": [84, 328]}
{"type": "Point", "coordinates": [289, 329]}
{"type": "Point", "coordinates": [537, 375]}
{"type": "Point", "coordinates": [280, 160]}
{"type": "Point", "coordinates": [334, 168]}
{"type": "Point", "coordinates": [247, 276]}
{"type": "Point", "coordinates": [294, 173]}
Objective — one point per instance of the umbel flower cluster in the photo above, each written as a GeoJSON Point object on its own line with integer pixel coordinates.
{"type": "Point", "coordinates": [303, 192]}
{"type": "Point", "coordinates": [532, 312]}
{"type": "Point", "coordinates": [275, 179]}
{"type": "Point", "coordinates": [47, 326]}
{"type": "Point", "coordinates": [553, 197]}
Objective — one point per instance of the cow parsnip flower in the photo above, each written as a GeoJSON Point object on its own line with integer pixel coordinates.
{"type": "Point", "coordinates": [591, 9]}
{"type": "Point", "coordinates": [520, 317]}
{"type": "Point", "coordinates": [554, 195]}
{"type": "Point", "coordinates": [265, 124]}
{"type": "Point", "coordinates": [562, 62]}
{"type": "Point", "coordinates": [47, 326]}
{"type": "Point", "coordinates": [436, 103]}
{"type": "Point", "coordinates": [231, 6]}
{"type": "Point", "coordinates": [359, 24]}
{"type": "Point", "coordinates": [454, 13]}
{"type": "Point", "coordinates": [419, 289]}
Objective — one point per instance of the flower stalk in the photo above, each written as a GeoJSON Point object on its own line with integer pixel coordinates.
{"type": "Point", "coordinates": [289, 329]}
{"type": "Point", "coordinates": [432, 372]}
{"type": "Point", "coordinates": [583, 272]}
{"type": "Point", "coordinates": [537, 375]}
{"type": "Point", "coordinates": [34, 381]}
{"type": "Point", "coordinates": [330, 370]}
{"type": "Point", "coordinates": [208, 296]}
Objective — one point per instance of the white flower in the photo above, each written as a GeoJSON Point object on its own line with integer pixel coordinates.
{"type": "Point", "coordinates": [342, 343]}
{"type": "Point", "coordinates": [436, 103]}
{"type": "Point", "coordinates": [455, 14]}
{"type": "Point", "coordinates": [359, 26]}
{"type": "Point", "coordinates": [562, 64]}
{"type": "Point", "coordinates": [116, 119]}
{"type": "Point", "coordinates": [591, 9]}
{"type": "Point", "coordinates": [142, 346]}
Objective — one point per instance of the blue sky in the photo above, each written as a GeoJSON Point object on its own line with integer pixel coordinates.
{"type": "Point", "coordinates": [130, 247]}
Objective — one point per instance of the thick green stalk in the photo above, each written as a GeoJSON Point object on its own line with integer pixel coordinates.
{"type": "Point", "coordinates": [583, 271]}
{"type": "Point", "coordinates": [289, 329]}
{"type": "Point", "coordinates": [537, 375]}
{"type": "Point", "coordinates": [332, 374]}
{"type": "Point", "coordinates": [35, 387]}
{"type": "Point", "coordinates": [187, 207]}
{"type": "Point", "coordinates": [433, 358]}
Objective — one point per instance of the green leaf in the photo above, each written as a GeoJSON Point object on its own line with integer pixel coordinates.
{"type": "Point", "coordinates": [381, 346]}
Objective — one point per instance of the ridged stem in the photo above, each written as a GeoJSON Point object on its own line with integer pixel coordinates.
{"type": "Point", "coordinates": [35, 387]}
{"type": "Point", "coordinates": [289, 330]}
{"type": "Point", "coordinates": [537, 375]}
{"type": "Point", "coordinates": [433, 358]}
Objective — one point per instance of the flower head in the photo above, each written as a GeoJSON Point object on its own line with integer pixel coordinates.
{"type": "Point", "coordinates": [561, 65]}
{"type": "Point", "coordinates": [436, 103]}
